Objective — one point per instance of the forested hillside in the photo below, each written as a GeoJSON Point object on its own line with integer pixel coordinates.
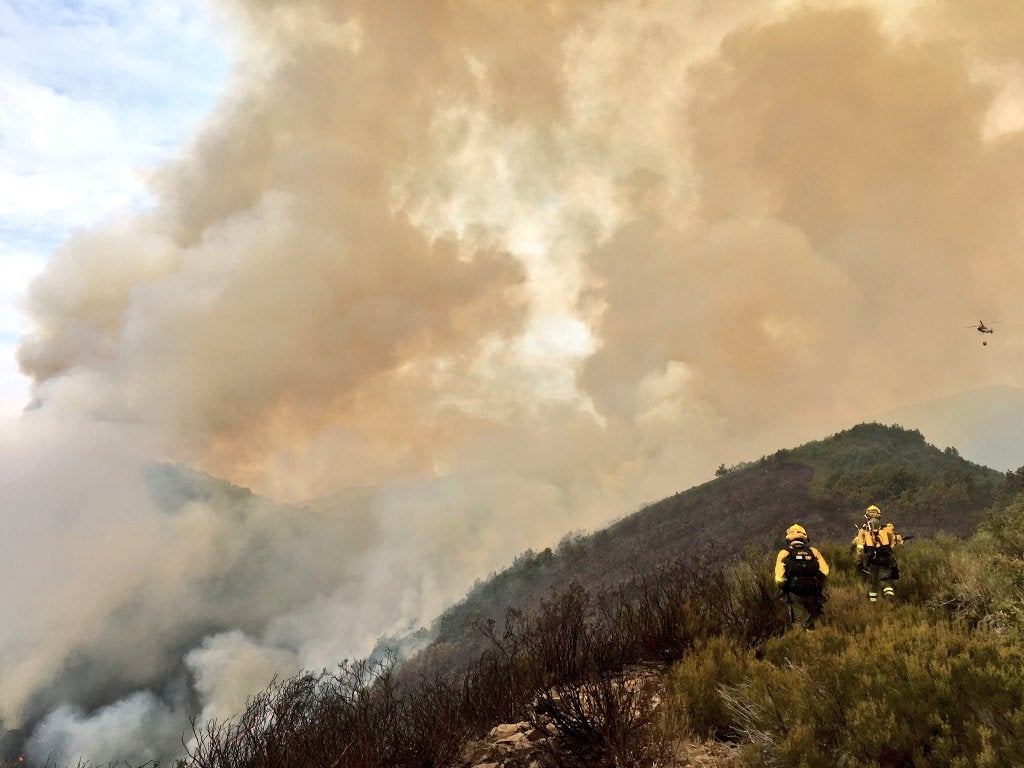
{"type": "Point", "coordinates": [825, 485]}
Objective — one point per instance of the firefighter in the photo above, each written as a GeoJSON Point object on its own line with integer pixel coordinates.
{"type": "Point", "coordinates": [800, 573]}
{"type": "Point", "coordinates": [875, 544]}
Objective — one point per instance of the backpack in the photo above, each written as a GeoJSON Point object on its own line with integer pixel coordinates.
{"type": "Point", "coordinates": [878, 553]}
{"type": "Point", "coordinates": [803, 576]}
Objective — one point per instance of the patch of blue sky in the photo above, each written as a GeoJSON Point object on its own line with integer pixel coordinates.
{"type": "Point", "coordinates": [29, 238]}
{"type": "Point", "coordinates": [126, 52]}
{"type": "Point", "coordinates": [94, 94]}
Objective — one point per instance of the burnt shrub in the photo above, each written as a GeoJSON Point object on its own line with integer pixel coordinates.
{"type": "Point", "coordinates": [573, 653]}
{"type": "Point", "coordinates": [359, 715]}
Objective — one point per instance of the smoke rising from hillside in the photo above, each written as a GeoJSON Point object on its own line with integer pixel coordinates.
{"type": "Point", "coordinates": [514, 269]}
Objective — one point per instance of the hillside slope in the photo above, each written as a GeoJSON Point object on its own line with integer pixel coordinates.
{"type": "Point", "coordinates": [823, 485]}
{"type": "Point", "coordinates": [690, 668]}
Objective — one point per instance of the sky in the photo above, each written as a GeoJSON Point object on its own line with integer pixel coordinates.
{"type": "Point", "coordinates": [93, 96]}
{"type": "Point", "coordinates": [452, 279]}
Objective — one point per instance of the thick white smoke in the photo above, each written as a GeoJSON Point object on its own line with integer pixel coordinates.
{"type": "Point", "coordinates": [449, 279]}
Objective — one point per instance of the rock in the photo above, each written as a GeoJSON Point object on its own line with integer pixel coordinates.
{"type": "Point", "coordinates": [513, 743]}
{"type": "Point", "coordinates": [474, 753]}
{"type": "Point", "coordinates": [506, 730]}
{"type": "Point", "coordinates": [505, 744]}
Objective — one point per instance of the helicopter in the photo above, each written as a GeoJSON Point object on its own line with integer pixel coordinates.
{"type": "Point", "coordinates": [982, 328]}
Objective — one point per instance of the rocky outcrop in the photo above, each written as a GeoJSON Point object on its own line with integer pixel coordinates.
{"type": "Point", "coordinates": [520, 745]}
{"type": "Point", "coordinates": [639, 693]}
{"type": "Point", "coordinates": [505, 746]}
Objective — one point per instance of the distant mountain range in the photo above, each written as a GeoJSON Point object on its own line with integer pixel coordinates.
{"type": "Point", "coordinates": [985, 425]}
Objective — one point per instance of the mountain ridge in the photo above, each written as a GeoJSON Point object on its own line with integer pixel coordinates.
{"type": "Point", "coordinates": [822, 484]}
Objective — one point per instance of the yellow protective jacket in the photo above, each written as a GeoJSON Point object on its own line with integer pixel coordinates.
{"type": "Point", "coordinates": [887, 536]}
{"type": "Point", "coordinates": [896, 538]}
{"type": "Point", "coordinates": [780, 564]}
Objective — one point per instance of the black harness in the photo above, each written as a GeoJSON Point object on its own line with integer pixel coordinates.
{"type": "Point", "coordinates": [879, 553]}
{"type": "Point", "coordinates": [803, 576]}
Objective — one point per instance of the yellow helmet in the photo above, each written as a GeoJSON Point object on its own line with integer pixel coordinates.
{"type": "Point", "coordinates": [795, 532]}
{"type": "Point", "coordinates": [873, 511]}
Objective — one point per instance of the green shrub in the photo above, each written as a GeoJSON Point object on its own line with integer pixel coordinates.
{"type": "Point", "coordinates": [985, 588]}
{"type": "Point", "coordinates": [935, 679]}
{"type": "Point", "coordinates": [1003, 529]}
{"type": "Point", "coordinates": [692, 688]}
{"type": "Point", "coordinates": [904, 692]}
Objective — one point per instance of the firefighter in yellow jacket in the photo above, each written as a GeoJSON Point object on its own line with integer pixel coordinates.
{"type": "Point", "coordinates": [875, 544]}
{"type": "Point", "coordinates": [800, 573]}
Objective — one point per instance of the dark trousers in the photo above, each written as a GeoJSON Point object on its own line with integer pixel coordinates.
{"type": "Point", "coordinates": [879, 577]}
{"type": "Point", "coordinates": [804, 609]}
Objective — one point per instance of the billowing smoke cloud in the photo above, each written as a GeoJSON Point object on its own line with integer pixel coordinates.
{"type": "Point", "coordinates": [846, 208]}
{"type": "Point", "coordinates": [449, 279]}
